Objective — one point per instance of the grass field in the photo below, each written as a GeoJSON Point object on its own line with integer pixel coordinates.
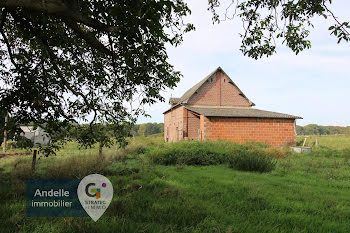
{"type": "Point", "coordinates": [305, 193]}
{"type": "Point", "coordinates": [335, 142]}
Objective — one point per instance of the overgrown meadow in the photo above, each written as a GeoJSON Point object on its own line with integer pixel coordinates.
{"type": "Point", "coordinates": [212, 186]}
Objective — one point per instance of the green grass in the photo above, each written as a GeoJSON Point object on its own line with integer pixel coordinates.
{"type": "Point", "coordinates": [335, 142]}
{"type": "Point", "coordinates": [305, 193]}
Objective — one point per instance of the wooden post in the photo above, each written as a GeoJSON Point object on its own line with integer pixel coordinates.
{"type": "Point", "coordinates": [304, 142]}
{"type": "Point", "coordinates": [316, 143]}
{"type": "Point", "coordinates": [34, 160]}
{"type": "Point", "coordinates": [5, 132]}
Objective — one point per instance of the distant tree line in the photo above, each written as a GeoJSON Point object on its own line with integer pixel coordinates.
{"type": "Point", "coordinates": [313, 129]}
{"type": "Point", "coordinates": [147, 129]}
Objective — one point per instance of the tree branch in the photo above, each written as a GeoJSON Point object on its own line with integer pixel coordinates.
{"type": "Point", "coordinates": [3, 18]}
{"type": "Point", "coordinates": [90, 39]}
{"type": "Point", "coordinates": [335, 18]}
{"type": "Point", "coordinates": [59, 9]}
{"type": "Point", "coordinates": [250, 23]}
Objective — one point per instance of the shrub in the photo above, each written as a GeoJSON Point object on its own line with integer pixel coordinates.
{"type": "Point", "coordinates": [277, 152]}
{"type": "Point", "coordinates": [252, 160]}
{"type": "Point", "coordinates": [191, 153]}
{"type": "Point", "coordinates": [135, 149]}
{"type": "Point", "coordinates": [199, 152]}
{"type": "Point", "coordinates": [255, 145]}
{"type": "Point", "coordinates": [9, 145]}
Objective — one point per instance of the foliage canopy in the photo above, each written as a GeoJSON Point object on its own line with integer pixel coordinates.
{"type": "Point", "coordinates": [65, 61]}
{"type": "Point", "coordinates": [266, 21]}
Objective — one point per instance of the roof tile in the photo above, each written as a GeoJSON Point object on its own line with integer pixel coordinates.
{"type": "Point", "coordinates": [239, 112]}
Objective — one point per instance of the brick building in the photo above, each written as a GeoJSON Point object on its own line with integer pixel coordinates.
{"type": "Point", "coordinates": [216, 108]}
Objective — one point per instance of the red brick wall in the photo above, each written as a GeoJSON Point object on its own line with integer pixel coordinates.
{"type": "Point", "coordinates": [218, 88]}
{"type": "Point", "coordinates": [230, 95]}
{"type": "Point", "coordinates": [193, 126]}
{"type": "Point", "coordinates": [276, 132]}
{"type": "Point", "coordinates": [217, 91]}
{"type": "Point", "coordinates": [172, 120]}
{"type": "Point", "coordinates": [202, 123]}
{"type": "Point", "coordinates": [206, 95]}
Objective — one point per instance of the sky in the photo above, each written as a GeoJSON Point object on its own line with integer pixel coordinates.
{"type": "Point", "coordinates": [315, 84]}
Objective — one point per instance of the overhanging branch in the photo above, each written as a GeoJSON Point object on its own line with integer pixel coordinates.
{"type": "Point", "coordinates": [89, 38]}
{"type": "Point", "coordinates": [58, 9]}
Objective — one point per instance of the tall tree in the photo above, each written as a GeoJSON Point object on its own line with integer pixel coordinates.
{"type": "Point", "coordinates": [95, 61]}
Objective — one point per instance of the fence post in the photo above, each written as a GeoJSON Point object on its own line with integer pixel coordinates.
{"type": "Point", "coordinates": [304, 142]}
{"type": "Point", "coordinates": [316, 143]}
{"type": "Point", "coordinates": [5, 132]}
{"type": "Point", "coordinates": [34, 160]}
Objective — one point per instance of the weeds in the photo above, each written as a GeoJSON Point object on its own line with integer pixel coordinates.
{"type": "Point", "coordinates": [252, 160]}
{"type": "Point", "coordinates": [218, 152]}
{"type": "Point", "coordinates": [190, 153]}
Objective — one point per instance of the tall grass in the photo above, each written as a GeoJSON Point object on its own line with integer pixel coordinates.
{"type": "Point", "coordinates": [191, 153]}
{"type": "Point", "coordinates": [249, 156]}
{"type": "Point", "coordinates": [75, 162]}
{"type": "Point", "coordinates": [252, 160]}
{"type": "Point", "coordinates": [304, 193]}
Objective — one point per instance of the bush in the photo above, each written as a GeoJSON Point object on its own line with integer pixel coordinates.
{"type": "Point", "coordinates": [198, 152]}
{"type": "Point", "coordinates": [9, 145]}
{"type": "Point", "coordinates": [255, 145]}
{"type": "Point", "coordinates": [252, 160]}
{"type": "Point", "coordinates": [191, 153]}
{"type": "Point", "coordinates": [277, 153]}
{"type": "Point", "coordinates": [135, 149]}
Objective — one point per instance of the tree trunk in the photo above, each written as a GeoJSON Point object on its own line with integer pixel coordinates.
{"type": "Point", "coordinates": [5, 132]}
{"type": "Point", "coordinates": [100, 150]}
{"type": "Point", "coordinates": [34, 160]}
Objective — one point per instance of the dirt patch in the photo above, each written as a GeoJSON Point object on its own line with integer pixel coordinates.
{"type": "Point", "coordinates": [8, 154]}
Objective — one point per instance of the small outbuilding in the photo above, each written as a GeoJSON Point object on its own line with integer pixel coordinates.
{"type": "Point", "coordinates": [215, 108]}
{"type": "Point", "coordinates": [38, 136]}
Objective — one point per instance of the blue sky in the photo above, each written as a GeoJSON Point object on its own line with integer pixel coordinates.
{"type": "Point", "coordinates": [314, 84]}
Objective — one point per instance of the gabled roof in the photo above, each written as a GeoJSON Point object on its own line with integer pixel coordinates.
{"type": "Point", "coordinates": [239, 112]}
{"type": "Point", "coordinates": [188, 94]}
{"type": "Point", "coordinates": [29, 129]}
